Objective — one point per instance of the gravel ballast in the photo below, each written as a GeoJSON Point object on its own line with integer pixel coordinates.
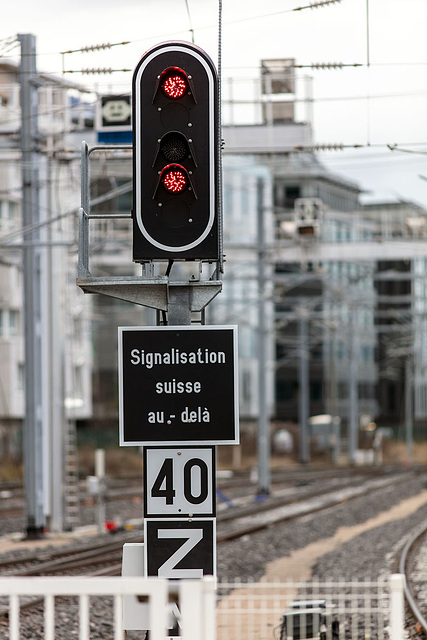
{"type": "Point", "coordinates": [366, 556]}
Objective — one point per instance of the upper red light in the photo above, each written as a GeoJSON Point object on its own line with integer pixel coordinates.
{"type": "Point", "coordinates": [174, 84]}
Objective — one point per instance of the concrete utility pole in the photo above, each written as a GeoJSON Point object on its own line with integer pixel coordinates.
{"type": "Point", "coordinates": [353, 418]}
{"type": "Point", "coordinates": [33, 428]}
{"type": "Point", "coordinates": [333, 403]}
{"type": "Point", "coordinates": [56, 489]}
{"type": "Point", "coordinates": [304, 395]}
{"type": "Point", "coordinates": [264, 479]}
{"type": "Point", "coordinates": [408, 409]}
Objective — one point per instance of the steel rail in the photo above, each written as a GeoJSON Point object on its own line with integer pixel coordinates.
{"type": "Point", "coordinates": [94, 553]}
{"type": "Point", "coordinates": [402, 569]}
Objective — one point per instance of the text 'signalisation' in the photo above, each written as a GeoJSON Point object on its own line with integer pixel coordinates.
{"type": "Point", "coordinates": [175, 357]}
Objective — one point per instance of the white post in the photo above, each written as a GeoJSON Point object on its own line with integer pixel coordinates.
{"type": "Point", "coordinates": [191, 607]}
{"type": "Point", "coordinates": [49, 617]}
{"type": "Point", "coordinates": [397, 607]}
{"type": "Point", "coordinates": [159, 609]}
{"type": "Point", "coordinates": [84, 616]}
{"type": "Point", "coordinates": [197, 606]}
{"type": "Point", "coordinates": [14, 616]}
{"type": "Point", "coordinates": [100, 498]}
{"type": "Point", "coordinates": [209, 607]}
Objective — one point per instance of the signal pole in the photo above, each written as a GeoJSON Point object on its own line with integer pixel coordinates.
{"type": "Point", "coordinates": [304, 395]}
{"type": "Point", "coordinates": [264, 480]}
{"type": "Point", "coordinates": [33, 426]}
{"type": "Point", "coordinates": [353, 418]}
{"type": "Point", "coordinates": [409, 409]}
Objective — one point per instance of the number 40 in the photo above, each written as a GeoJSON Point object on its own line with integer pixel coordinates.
{"type": "Point", "coordinates": [163, 485]}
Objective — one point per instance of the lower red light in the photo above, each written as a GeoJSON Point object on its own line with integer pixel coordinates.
{"type": "Point", "coordinates": [174, 179]}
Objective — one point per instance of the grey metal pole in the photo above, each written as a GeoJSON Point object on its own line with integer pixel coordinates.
{"type": "Point", "coordinates": [100, 474]}
{"type": "Point", "coordinates": [304, 396]}
{"type": "Point", "coordinates": [333, 409]}
{"type": "Point", "coordinates": [408, 409]}
{"type": "Point", "coordinates": [33, 441]}
{"type": "Point", "coordinates": [264, 480]}
{"type": "Point", "coordinates": [54, 343]}
{"type": "Point", "coordinates": [353, 389]}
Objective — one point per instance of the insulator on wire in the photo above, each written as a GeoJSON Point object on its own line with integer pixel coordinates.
{"type": "Point", "coordinates": [96, 47]}
{"type": "Point", "coordinates": [320, 147]}
{"type": "Point", "coordinates": [328, 147]}
{"type": "Point", "coordinates": [316, 4]}
{"type": "Point", "coordinates": [321, 3]}
{"type": "Point", "coordinates": [99, 71]}
{"type": "Point", "coordinates": [327, 65]}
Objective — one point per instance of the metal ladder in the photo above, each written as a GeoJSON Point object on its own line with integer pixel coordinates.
{"type": "Point", "coordinates": [71, 479]}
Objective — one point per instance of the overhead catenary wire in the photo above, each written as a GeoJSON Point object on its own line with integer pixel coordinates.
{"type": "Point", "coordinates": [320, 66]}
{"type": "Point", "coordinates": [315, 4]}
{"type": "Point", "coordinates": [96, 47]}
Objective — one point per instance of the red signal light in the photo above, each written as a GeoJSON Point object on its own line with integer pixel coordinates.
{"type": "Point", "coordinates": [174, 178]}
{"type": "Point", "coordinates": [174, 83]}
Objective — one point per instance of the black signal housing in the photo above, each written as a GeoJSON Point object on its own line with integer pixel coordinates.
{"type": "Point", "coordinates": [175, 141]}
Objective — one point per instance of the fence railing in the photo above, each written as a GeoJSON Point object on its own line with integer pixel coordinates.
{"type": "Point", "coordinates": [194, 598]}
{"type": "Point", "coordinates": [327, 610]}
{"type": "Point", "coordinates": [323, 610]}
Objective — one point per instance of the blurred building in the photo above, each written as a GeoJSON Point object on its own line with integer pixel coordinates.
{"type": "Point", "coordinates": [351, 272]}
{"type": "Point", "coordinates": [65, 313]}
{"type": "Point", "coordinates": [248, 195]}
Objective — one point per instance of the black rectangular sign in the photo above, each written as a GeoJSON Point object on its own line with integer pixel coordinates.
{"type": "Point", "coordinates": [177, 549]}
{"type": "Point", "coordinates": [178, 385]}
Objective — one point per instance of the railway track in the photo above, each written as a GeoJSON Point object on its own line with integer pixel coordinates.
{"type": "Point", "coordinates": [12, 493]}
{"type": "Point", "coordinates": [246, 517]}
{"type": "Point", "coordinates": [124, 496]}
{"type": "Point", "coordinates": [415, 587]}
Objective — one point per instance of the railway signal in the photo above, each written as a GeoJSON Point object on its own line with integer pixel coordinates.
{"type": "Point", "coordinates": [175, 155]}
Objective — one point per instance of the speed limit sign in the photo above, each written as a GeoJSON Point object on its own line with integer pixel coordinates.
{"type": "Point", "coordinates": [179, 481]}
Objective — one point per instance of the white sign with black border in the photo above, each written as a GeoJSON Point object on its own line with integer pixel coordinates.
{"type": "Point", "coordinates": [113, 113]}
{"type": "Point", "coordinates": [179, 481]}
{"type": "Point", "coordinates": [179, 548]}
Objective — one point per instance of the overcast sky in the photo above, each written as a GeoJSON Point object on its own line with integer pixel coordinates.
{"type": "Point", "coordinates": [383, 102]}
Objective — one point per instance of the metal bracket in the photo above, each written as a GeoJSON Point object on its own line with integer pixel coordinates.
{"type": "Point", "coordinates": [156, 293]}
{"type": "Point", "coordinates": [178, 299]}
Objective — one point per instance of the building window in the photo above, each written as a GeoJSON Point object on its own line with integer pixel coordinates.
{"type": "Point", "coordinates": [78, 381]}
{"type": "Point", "coordinates": [246, 386]}
{"type": "Point", "coordinates": [315, 391]}
{"type": "Point", "coordinates": [21, 376]}
{"type": "Point", "coordinates": [342, 390]}
{"type": "Point", "coordinates": [9, 322]}
{"type": "Point", "coordinates": [13, 322]}
{"type": "Point", "coordinates": [291, 194]}
{"type": "Point", "coordinates": [8, 214]}
{"type": "Point", "coordinates": [286, 390]}
{"type": "Point", "coordinates": [12, 210]}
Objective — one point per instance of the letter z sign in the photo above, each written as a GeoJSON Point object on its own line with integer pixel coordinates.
{"type": "Point", "coordinates": [181, 548]}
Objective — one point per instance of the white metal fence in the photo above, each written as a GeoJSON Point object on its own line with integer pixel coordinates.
{"type": "Point", "coordinates": [244, 610]}
{"type": "Point", "coordinates": [327, 610]}
{"type": "Point", "coordinates": [196, 601]}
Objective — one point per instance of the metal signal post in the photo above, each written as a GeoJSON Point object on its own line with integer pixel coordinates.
{"type": "Point", "coordinates": [175, 155]}
{"type": "Point", "coordinates": [182, 369]}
